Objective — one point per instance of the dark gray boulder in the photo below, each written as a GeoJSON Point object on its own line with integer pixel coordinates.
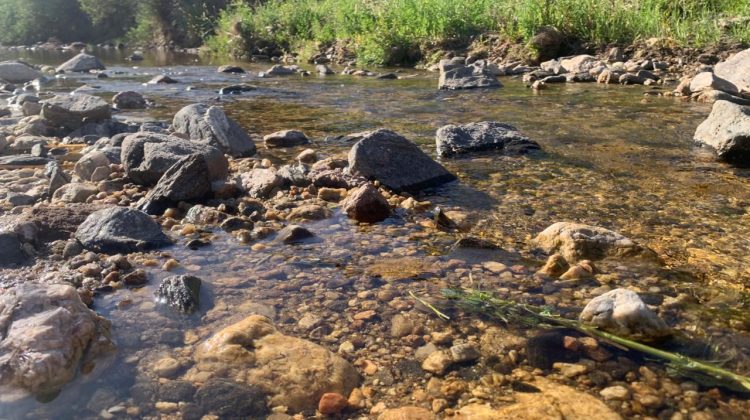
{"type": "Point", "coordinates": [120, 230]}
{"type": "Point", "coordinates": [12, 250]}
{"type": "Point", "coordinates": [210, 125]}
{"type": "Point", "coordinates": [70, 111]}
{"type": "Point", "coordinates": [454, 74]}
{"type": "Point", "coordinates": [396, 162]}
{"type": "Point", "coordinates": [186, 180]}
{"type": "Point", "coordinates": [727, 132]}
{"type": "Point", "coordinates": [81, 63]}
{"type": "Point", "coordinates": [487, 135]}
{"type": "Point", "coordinates": [180, 292]}
{"type": "Point", "coordinates": [147, 156]}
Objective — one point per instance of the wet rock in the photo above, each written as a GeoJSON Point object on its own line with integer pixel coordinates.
{"type": "Point", "coordinates": [555, 266]}
{"type": "Point", "coordinates": [293, 234]}
{"type": "Point", "coordinates": [294, 372]}
{"type": "Point", "coordinates": [437, 362]}
{"type": "Point", "coordinates": [129, 100]}
{"type": "Point", "coordinates": [176, 391]}
{"type": "Point", "coordinates": [231, 400]}
{"type": "Point", "coordinates": [12, 249]}
{"type": "Point", "coordinates": [488, 135]}
{"type": "Point", "coordinates": [230, 69]}
{"type": "Point", "coordinates": [180, 292]}
{"type": "Point", "coordinates": [279, 70]}
{"type": "Point", "coordinates": [186, 180]}
{"type": "Point", "coordinates": [210, 125]}
{"type": "Point", "coordinates": [727, 132]}
{"type": "Point", "coordinates": [80, 64]}
{"type": "Point", "coordinates": [324, 70]}
{"type": "Point", "coordinates": [286, 138]}
{"type": "Point", "coordinates": [309, 212]}
{"type": "Point", "coordinates": [294, 175]}
{"type": "Point", "coordinates": [332, 403]}
{"type": "Point", "coordinates": [554, 401]}
{"type": "Point", "coordinates": [147, 156]}
{"type": "Point", "coordinates": [261, 183]}
{"type": "Point", "coordinates": [454, 74]}
{"type": "Point", "coordinates": [70, 111]}
{"type": "Point", "coordinates": [47, 332]}
{"type": "Point", "coordinates": [622, 312]}
{"type": "Point", "coordinates": [233, 224]}
{"type": "Point", "coordinates": [162, 79]}
{"type": "Point", "coordinates": [631, 79]}
{"type": "Point", "coordinates": [382, 155]}
{"type": "Point", "coordinates": [17, 72]}
{"type": "Point", "coordinates": [120, 230]}
{"type": "Point", "coordinates": [736, 70]}
{"type": "Point", "coordinates": [575, 241]}
{"type": "Point", "coordinates": [22, 160]}
{"type": "Point", "coordinates": [202, 215]}
{"type": "Point", "coordinates": [406, 413]}
{"type": "Point", "coordinates": [75, 192]}
{"type": "Point", "coordinates": [365, 204]}
{"type": "Point", "coordinates": [710, 96]}
{"type": "Point", "coordinates": [237, 89]}
{"type": "Point", "coordinates": [89, 163]}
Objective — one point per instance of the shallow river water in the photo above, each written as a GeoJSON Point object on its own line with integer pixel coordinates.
{"type": "Point", "coordinates": [613, 157]}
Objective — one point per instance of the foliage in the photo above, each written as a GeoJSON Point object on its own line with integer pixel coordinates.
{"type": "Point", "coordinates": [28, 21]}
{"type": "Point", "coordinates": [382, 30]}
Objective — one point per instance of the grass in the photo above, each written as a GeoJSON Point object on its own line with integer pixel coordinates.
{"type": "Point", "coordinates": [399, 31]}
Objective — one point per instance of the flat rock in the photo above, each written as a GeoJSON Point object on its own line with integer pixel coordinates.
{"type": "Point", "coordinates": [120, 230]}
{"type": "Point", "coordinates": [81, 63]}
{"type": "Point", "coordinates": [295, 373]}
{"type": "Point", "coordinates": [382, 155]}
{"type": "Point", "coordinates": [12, 161]}
{"type": "Point", "coordinates": [230, 69]}
{"type": "Point", "coordinates": [727, 132]}
{"type": "Point", "coordinates": [47, 332]}
{"type": "Point", "coordinates": [210, 125]}
{"type": "Point", "coordinates": [576, 241]}
{"type": "Point", "coordinates": [286, 138]}
{"type": "Point", "coordinates": [17, 72]}
{"type": "Point", "coordinates": [622, 312]}
{"type": "Point", "coordinates": [70, 111]}
{"type": "Point", "coordinates": [147, 156]}
{"type": "Point", "coordinates": [487, 135]}
{"type": "Point", "coordinates": [553, 402]}
{"type": "Point", "coordinates": [188, 179]}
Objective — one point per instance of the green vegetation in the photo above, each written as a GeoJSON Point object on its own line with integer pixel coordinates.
{"type": "Point", "coordinates": [377, 31]}
{"type": "Point", "coordinates": [394, 31]}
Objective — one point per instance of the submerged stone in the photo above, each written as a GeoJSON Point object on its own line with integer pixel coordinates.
{"type": "Point", "coordinates": [622, 312]}
{"type": "Point", "coordinates": [180, 292]}
{"type": "Point", "coordinates": [576, 241]}
{"type": "Point", "coordinates": [487, 135]}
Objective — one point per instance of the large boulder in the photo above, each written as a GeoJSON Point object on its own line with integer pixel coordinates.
{"type": "Point", "coordinates": [70, 111]}
{"type": "Point", "coordinates": [709, 81]}
{"type": "Point", "coordinates": [622, 312]}
{"type": "Point", "coordinates": [210, 125]}
{"type": "Point", "coordinates": [576, 241]}
{"type": "Point", "coordinates": [454, 74]}
{"type": "Point", "coordinates": [186, 180]}
{"type": "Point", "coordinates": [81, 63]}
{"type": "Point", "coordinates": [16, 72]}
{"type": "Point", "coordinates": [727, 131]}
{"type": "Point", "coordinates": [120, 230]}
{"type": "Point", "coordinates": [147, 156]}
{"type": "Point", "coordinates": [488, 135]}
{"type": "Point", "coordinates": [295, 373]}
{"type": "Point", "coordinates": [736, 70]}
{"type": "Point", "coordinates": [396, 162]}
{"type": "Point", "coordinates": [45, 334]}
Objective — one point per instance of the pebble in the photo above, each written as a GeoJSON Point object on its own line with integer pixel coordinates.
{"type": "Point", "coordinates": [166, 367]}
